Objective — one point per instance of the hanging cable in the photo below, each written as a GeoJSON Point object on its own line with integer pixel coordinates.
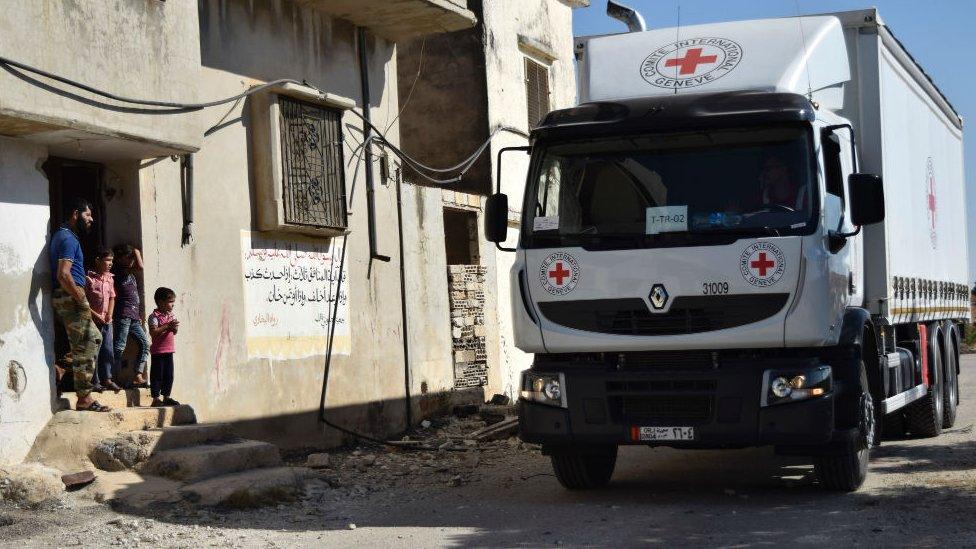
{"type": "Point", "coordinates": [418, 167]}
{"type": "Point", "coordinates": [179, 107]}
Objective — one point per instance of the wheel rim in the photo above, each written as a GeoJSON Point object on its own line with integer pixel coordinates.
{"type": "Point", "coordinates": [937, 386]}
{"type": "Point", "coordinates": [868, 423]}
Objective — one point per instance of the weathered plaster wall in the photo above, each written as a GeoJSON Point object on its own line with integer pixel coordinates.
{"type": "Point", "coordinates": [471, 82]}
{"type": "Point", "coordinates": [543, 30]}
{"type": "Point", "coordinates": [442, 85]}
{"type": "Point", "coordinates": [59, 36]}
{"type": "Point", "coordinates": [428, 304]}
{"type": "Point", "coordinates": [243, 43]}
{"type": "Point", "coordinates": [26, 329]}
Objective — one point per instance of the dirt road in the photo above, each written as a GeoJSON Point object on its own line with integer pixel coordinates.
{"type": "Point", "coordinates": [920, 493]}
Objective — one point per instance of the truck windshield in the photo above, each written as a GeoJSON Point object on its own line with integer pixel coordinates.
{"type": "Point", "coordinates": [673, 189]}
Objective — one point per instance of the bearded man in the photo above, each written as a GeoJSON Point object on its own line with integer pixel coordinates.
{"type": "Point", "coordinates": [71, 304]}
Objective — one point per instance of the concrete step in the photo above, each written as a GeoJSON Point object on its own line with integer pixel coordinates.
{"type": "Point", "coordinates": [126, 398]}
{"type": "Point", "coordinates": [204, 461]}
{"type": "Point", "coordinates": [252, 488]}
{"type": "Point", "coordinates": [68, 439]}
{"type": "Point", "coordinates": [127, 450]}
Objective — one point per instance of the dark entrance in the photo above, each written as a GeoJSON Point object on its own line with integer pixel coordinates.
{"type": "Point", "coordinates": [68, 179]}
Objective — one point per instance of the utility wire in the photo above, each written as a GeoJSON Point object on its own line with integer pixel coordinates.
{"type": "Point", "coordinates": [179, 108]}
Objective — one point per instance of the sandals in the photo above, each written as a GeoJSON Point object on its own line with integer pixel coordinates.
{"type": "Point", "coordinates": [111, 386]}
{"type": "Point", "coordinates": [170, 402]}
{"type": "Point", "coordinates": [94, 407]}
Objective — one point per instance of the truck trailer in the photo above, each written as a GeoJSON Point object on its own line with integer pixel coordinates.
{"type": "Point", "coordinates": [749, 233]}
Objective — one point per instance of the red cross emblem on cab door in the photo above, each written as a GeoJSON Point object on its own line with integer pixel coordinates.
{"type": "Point", "coordinates": [559, 273]}
{"type": "Point", "coordinates": [762, 264]}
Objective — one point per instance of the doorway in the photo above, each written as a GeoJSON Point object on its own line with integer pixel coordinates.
{"type": "Point", "coordinates": [69, 179]}
{"type": "Point", "coordinates": [466, 290]}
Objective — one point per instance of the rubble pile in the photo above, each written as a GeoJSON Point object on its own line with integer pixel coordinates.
{"type": "Point", "coordinates": [450, 451]}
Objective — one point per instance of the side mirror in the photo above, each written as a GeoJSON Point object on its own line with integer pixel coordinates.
{"type": "Point", "coordinates": [496, 218]}
{"type": "Point", "coordinates": [867, 198]}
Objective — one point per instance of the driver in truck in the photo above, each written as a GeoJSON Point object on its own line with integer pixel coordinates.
{"type": "Point", "coordinates": [779, 186]}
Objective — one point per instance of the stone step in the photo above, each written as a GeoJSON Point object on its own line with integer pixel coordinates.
{"type": "Point", "coordinates": [126, 398]}
{"type": "Point", "coordinates": [127, 450]}
{"type": "Point", "coordinates": [252, 488]}
{"type": "Point", "coordinates": [204, 461]}
{"type": "Point", "coordinates": [68, 439]}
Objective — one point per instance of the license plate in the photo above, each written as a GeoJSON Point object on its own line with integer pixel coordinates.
{"type": "Point", "coordinates": [667, 433]}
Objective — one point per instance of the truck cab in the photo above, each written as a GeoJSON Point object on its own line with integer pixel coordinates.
{"type": "Point", "coordinates": [690, 267]}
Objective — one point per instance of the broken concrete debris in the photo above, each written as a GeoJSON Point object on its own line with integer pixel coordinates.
{"type": "Point", "coordinates": [29, 484]}
{"type": "Point", "coordinates": [73, 481]}
{"type": "Point", "coordinates": [317, 461]}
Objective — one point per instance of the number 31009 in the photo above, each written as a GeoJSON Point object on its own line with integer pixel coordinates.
{"type": "Point", "coordinates": [715, 288]}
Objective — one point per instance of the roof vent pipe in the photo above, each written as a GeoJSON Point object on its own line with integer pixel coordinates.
{"type": "Point", "coordinates": [627, 16]}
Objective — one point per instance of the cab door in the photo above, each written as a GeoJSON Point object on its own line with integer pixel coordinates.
{"type": "Point", "coordinates": [846, 263]}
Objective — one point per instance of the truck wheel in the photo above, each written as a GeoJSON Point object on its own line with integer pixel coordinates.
{"type": "Point", "coordinates": [925, 414]}
{"type": "Point", "coordinates": [845, 471]}
{"type": "Point", "coordinates": [585, 470]}
{"type": "Point", "coordinates": [950, 395]}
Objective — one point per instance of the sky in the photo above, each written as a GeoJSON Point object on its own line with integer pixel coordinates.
{"type": "Point", "coordinates": [938, 34]}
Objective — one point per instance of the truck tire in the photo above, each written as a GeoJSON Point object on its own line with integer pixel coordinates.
{"type": "Point", "coordinates": [925, 414]}
{"type": "Point", "coordinates": [846, 470]}
{"type": "Point", "coordinates": [585, 470]}
{"type": "Point", "coordinates": [950, 394]}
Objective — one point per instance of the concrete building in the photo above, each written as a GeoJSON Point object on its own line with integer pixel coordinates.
{"type": "Point", "coordinates": [250, 233]}
{"type": "Point", "coordinates": [456, 90]}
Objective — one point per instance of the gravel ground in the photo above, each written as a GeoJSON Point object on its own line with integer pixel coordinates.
{"type": "Point", "coordinates": [920, 493]}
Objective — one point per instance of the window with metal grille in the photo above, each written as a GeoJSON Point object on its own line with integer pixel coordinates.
{"type": "Point", "coordinates": [313, 180]}
{"type": "Point", "coordinates": [536, 91]}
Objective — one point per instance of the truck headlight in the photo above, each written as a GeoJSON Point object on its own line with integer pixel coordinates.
{"type": "Point", "coordinates": [544, 388]}
{"type": "Point", "coordinates": [781, 386]}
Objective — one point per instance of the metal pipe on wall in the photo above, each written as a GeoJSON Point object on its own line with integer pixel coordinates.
{"type": "Point", "coordinates": [367, 149]}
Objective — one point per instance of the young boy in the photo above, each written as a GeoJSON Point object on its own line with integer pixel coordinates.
{"type": "Point", "coordinates": [162, 329]}
{"type": "Point", "coordinates": [100, 290]}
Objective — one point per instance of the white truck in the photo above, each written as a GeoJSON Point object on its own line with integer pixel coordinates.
{"type": "Point", "coordinates": [708, 257]}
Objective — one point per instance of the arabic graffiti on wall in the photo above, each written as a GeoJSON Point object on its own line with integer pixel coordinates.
{"type": "Point", "coordinates": [290, 288]}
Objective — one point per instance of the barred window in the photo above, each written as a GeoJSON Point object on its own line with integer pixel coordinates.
{"type": "Point", "coordinates": [313, 180]}
{"type": "Point", "coordinates": [536, 91]}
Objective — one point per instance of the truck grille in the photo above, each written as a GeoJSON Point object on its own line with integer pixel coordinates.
{"type": "Point", "coordinates": [688, 314]}
{"type": "Point", "coordinates": [661, 401]}
{"type": "Point", "coordinates": [657, 409]}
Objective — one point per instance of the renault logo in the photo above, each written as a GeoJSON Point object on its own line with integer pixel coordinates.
{"type": "Point", "coordinates": [659, 296]}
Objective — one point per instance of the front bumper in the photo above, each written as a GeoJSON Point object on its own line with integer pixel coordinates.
{"type": "Point", "coordinates": [721, 403]}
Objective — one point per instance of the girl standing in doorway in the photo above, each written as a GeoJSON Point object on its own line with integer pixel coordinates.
{"type": "Point", "coordinates": [128, 312]}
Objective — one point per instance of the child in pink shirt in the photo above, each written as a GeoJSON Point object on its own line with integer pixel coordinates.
{"type": "Point", "coordinates": [100, 290]}
{"type": "Point", "coordinates": [162, 329]}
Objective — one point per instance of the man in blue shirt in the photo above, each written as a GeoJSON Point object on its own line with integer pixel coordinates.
{"type": "Point", "coordinates": [70, 302]}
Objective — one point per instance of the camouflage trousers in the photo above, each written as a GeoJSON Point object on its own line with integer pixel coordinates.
{"type": "Point", "coordinates": [84, 338]}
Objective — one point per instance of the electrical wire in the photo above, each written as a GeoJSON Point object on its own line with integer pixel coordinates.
{"type": "Point", "coordinates": [416, 78]}
{"type": "Point", "coordinates": [178, 108]}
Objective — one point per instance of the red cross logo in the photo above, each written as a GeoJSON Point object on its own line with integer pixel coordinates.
{"type": "Point", "coordinates": [762, 264]}
{"type": "Point", "coordinates": [559, 273]}
{"type": "Point", "coordinates": [689, 63]}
